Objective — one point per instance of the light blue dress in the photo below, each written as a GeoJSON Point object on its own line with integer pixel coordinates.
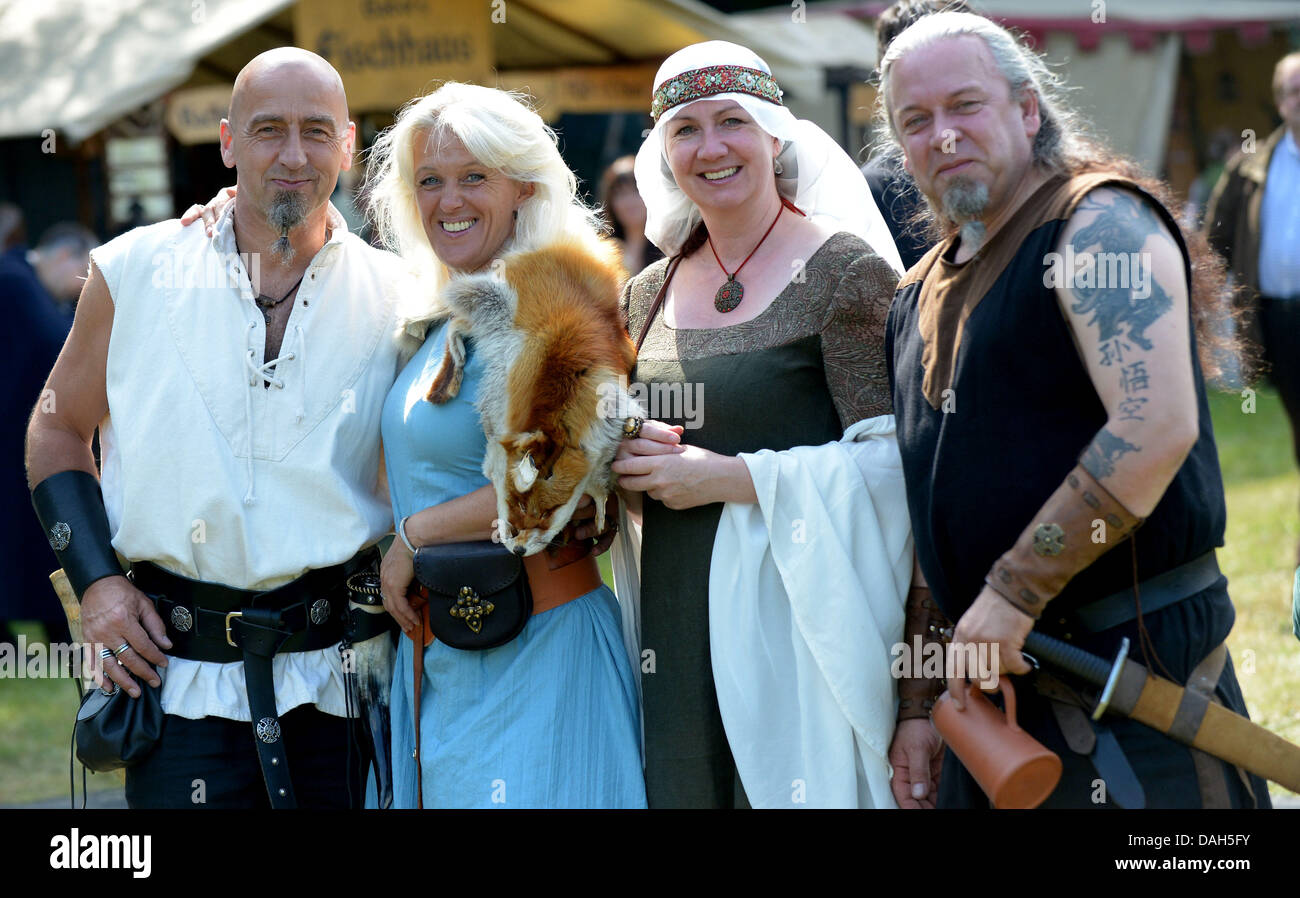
{"type": "Point", "coordinates": [548, 720]}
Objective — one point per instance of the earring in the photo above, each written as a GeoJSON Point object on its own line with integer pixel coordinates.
{"type": "Point", "coordinates": [777, 167]}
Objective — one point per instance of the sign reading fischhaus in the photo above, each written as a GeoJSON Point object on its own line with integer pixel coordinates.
{"type": "Point", "coordinates": [389, 51]}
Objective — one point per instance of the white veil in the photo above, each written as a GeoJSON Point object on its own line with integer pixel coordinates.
{"type": "Point", "coordinates": [817, 175]}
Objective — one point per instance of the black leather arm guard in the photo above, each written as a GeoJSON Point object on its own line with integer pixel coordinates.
{"type": "Point", "coordinates": [71, 510]}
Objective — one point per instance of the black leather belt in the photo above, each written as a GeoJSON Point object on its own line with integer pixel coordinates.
{"type": "Point", "coordinates": [212, 622]}
{"type": "Point", "coordinates": [1160, 591]}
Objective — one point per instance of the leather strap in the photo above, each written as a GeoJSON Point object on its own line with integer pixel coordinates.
{"type": "Point", "coordinates": [1210, 780]}
{"type": "Point", "coordinates": [206, 638]}
{"type": "Point", "coordinates": [1070, 717]}
{"type": "Point", "coordinates": [148, 577]}
{"type": "Point", "coordinates": [1122, 785]}
{"type": "Point", "coordinates": [1201, 685]}
{"type": "Point", "coordinates": [1198, 694]}
{"type": "Point", "coordinates": [1093, 740]}
{"type": "Point", "coordinates": [658, 301]}
{"type": "Point", "coordinates": [422, 638]}
{"type": "Point", "coordinates": [260, 637]}
{"type": "Point", "coordinates": [1157, 592]}
{"type": "Point", "coordinates": [1075, 727]}
{"type": "Point", "coordinates": [553, 587]}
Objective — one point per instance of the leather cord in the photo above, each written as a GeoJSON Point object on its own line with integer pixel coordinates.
{"type": "Point", "coordinates": [421, 606]}
{"type": "Point", "coordinates": [658, 301]}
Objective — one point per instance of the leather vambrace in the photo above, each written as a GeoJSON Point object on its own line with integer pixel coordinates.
{"type": "Point", "coordinates": [916, 695]}
{"type": "Point", "coordinates": [1079, 523]}
{"type": "Point", "coordinates": [71, 510]}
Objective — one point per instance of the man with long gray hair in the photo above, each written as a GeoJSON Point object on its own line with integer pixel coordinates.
{"type": "Point", "coordinates": [1050, 400]}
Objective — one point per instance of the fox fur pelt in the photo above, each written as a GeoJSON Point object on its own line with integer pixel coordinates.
{"type": "Point", "coordinates": [554, 392]}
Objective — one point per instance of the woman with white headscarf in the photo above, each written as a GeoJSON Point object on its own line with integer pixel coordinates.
{"type": "Point", "coordinates": [769, 467]}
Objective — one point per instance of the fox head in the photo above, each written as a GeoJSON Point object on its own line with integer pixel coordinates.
{"type": "Point", "coordinates": [543, 478]}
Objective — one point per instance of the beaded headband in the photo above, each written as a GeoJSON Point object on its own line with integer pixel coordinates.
{"type": "Point", "coordinates": [718, 79]}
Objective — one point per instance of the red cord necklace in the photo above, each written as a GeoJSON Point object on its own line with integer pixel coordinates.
{"type": "Point", "coordinates": [732, 291]}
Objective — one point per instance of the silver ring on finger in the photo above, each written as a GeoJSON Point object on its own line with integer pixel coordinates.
{"type": "Point", "coordinates": [121, 648]}
{"type": "Point", "coordinates": [107, 653]}
{"type": "Point", "coordinates": [632, 428]}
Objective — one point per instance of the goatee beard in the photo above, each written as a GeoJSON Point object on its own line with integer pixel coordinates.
{"type": "Point", "coordinates": [287, 211]}
{"type": "Point", "coordinates": [963, 202]}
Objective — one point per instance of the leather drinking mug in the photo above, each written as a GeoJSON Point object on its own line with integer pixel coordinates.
{"type": "Point", "coordinates": [1013, 768]}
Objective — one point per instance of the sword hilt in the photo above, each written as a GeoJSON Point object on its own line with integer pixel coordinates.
{"type": "Point", "coordinates": [1090, 667]}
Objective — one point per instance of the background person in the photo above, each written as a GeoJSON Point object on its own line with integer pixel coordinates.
{"type": "Point", "coordinates": [1253, 220]}
{"type": "Point", "coordinates": [892, 188]}
{"type": "Point", "coordinates": [30, 345]}
{"type": "Point", "coordinates": [61, 259]}
{"type": "Point", "coordinates": [624, 211]}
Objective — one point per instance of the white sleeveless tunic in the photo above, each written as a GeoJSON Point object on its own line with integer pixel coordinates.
{"type": "Point", "coordinates": [210, 474]}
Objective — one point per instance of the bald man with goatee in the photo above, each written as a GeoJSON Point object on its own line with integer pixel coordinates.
{"type": "Point", "coordinates": [235, 380]}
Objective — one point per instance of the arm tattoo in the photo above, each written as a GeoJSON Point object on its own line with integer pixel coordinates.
{"type": "Point", "coordinates": [1120, 291]}
{"type": "Point", "coordinates": [1102, 453]}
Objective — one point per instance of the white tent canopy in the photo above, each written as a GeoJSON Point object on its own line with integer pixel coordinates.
{"type": "Point", "coordinates": [824, 38]}
{"type": "Point", "coordinates": [1150, 11]}
{"type": "Point", "coordinates": [1127, 93]}
{"type": "Point", "coordinates": [76, 65]}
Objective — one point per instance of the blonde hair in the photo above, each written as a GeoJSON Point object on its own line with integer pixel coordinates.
{"type": "Point", "coordinates": [502, 132]}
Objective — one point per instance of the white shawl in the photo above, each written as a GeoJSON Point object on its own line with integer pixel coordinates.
{"type": "Point", "coordinates": [806, 595]}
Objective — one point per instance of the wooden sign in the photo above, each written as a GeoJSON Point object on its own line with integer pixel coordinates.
{"type": "Point", "coordinates": [389, 51]}
{"type": "Point", "coordinates": [621, 88]}
{"type": "Point", "coordinates": [194, 115]}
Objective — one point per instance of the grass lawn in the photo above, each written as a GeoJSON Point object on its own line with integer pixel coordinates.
{"type": "Point", "coordinates": [1259, 557]}
{"type": "Point", "coordinates": [36, 718]}
{"type": "Point", "coordinates": [1263, 491]}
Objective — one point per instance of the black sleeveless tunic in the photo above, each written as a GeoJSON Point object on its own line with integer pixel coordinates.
{"type": "Point", "coordinates": [1021, 411]}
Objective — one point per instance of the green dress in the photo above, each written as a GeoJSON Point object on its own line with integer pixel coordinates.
{"type": "Point", "coordinates": [798, 374]}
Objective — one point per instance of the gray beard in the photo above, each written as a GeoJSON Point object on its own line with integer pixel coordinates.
{"type": "Point", "coordinates": [963, 202]}
{"type": "Point", "coordinates": [287, 211]}
{"type": "Point", "coordinates": [972, 234]}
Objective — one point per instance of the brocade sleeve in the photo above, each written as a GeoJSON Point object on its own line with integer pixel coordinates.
{"type": "Point", "coordinates": [853, 339]}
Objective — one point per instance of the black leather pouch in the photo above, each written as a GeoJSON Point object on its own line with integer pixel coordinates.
{"type": "Point", "coordinates": [477, 593]}
{"type": "Point", "coordinates": [115, 730]}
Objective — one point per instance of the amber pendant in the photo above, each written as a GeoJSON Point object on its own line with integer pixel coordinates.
{"type": "Point", "coordinates": [729, 295]}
